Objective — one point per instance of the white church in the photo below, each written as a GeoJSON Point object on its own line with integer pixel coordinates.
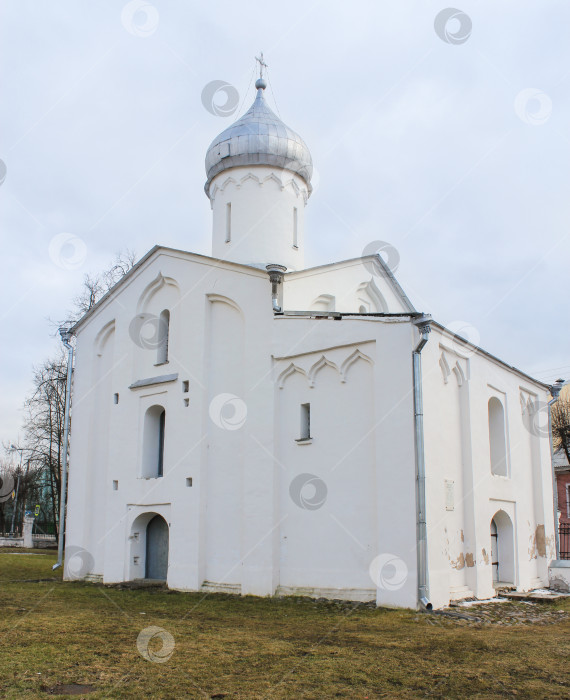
{"type": "Point", "coordinates": [242, 423]}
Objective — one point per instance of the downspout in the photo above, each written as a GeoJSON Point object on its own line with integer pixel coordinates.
{"type": "Point", "coordinates": [276, 273]}
{"type": "Point", "coordinates": [424, 327]}
{"type": "Point", "coordinates": [65, 338]}
{"type": "Point", "coordinates": [555, 393]}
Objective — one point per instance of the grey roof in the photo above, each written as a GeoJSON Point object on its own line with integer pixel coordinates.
{"type": "Point", "coordinates": [559, 459]}
{"type": "Point", "coordinates": [259, 138]}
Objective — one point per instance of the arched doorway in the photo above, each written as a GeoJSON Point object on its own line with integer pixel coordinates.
{"type": "Point", "coordinates": [156, 559]}
{"type": "Point", "coordinates": [502, 549]}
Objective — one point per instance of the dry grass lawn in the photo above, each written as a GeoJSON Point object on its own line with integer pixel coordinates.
{"type": "Point", "coordinates": [55, 634]}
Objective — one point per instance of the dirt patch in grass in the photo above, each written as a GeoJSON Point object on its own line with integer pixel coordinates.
{"type": "Point", "coordinates": [159, 643]}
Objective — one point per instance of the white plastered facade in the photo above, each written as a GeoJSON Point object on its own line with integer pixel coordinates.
{"type": "Point", "coordinates": [239, 527]}
{"type": "Point", "coordinates": [285, 429]}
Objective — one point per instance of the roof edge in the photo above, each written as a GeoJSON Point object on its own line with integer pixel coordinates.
{"type": "Point", "coordinates": [490, 355]}
{"type": "Point", "coordinates": [141, 263]}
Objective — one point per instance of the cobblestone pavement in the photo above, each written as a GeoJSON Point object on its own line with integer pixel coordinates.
{"type": "Point", "coordinates": [511, 613]}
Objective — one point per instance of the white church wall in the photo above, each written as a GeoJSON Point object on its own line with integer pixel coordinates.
{"type": "Point", "coordinates": [328, 485]}
{"type": "Point", "coordinates": [354, 286]}
{"type": "Point", "coordinates": [370, 434]}
{"type": "Point", "coordinates": [450, 560]}
{"type": "Point", "coordinates": [258, 216]}
{"type": "Point", "coordinates": [185, 424]}
{"type": "Point", "coordinates": [224, 470]}
{"type": "Point", "coordinates": [237, 525]}
{"type": "Point", "coordinates": [520, 495]}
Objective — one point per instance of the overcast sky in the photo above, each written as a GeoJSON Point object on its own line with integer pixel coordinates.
{"type": "Point", "coordinates": [453, 145]}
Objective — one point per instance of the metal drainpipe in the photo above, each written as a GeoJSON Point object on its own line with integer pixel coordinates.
{"type": "Point", "coordinates": [423, 325]}
{"type": "Point", "coordinates": [555, 393]}
{"type": "Point", "coordinates": [276, 273]}
{"type": "Point", "coordinates": [65, 337]}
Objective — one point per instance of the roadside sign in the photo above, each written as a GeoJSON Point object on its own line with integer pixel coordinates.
{"type": "Point", "coordinates": [37, 511]}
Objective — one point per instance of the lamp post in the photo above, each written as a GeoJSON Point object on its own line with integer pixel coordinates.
{"type": "Point", "coordinates": [65, 334]}
{"type": "Point", "coordinates": [13, 448]}
{"type": "Point", "coordinates": [21, 450]}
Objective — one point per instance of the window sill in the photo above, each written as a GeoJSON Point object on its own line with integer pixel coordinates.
{"type": "Point", "coordinates": [304, 441]}
{"type": "Point", "coordinates": [159, 364]}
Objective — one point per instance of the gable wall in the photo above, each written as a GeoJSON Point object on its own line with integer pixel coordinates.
{"type": "Point", "coordinates": [459, 539]}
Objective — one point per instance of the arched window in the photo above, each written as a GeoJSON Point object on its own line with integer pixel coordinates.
{"type": "Point", "coordinates": [163, 331]}
{"type": "Point", "coordinates": [153, 442]}
{"type": "Point", "coordinates": [497, 441]}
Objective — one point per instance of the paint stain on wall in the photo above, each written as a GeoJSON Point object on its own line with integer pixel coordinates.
{"type": "Point", "coordinates": [540, 538]}
{"type": "Point", "coordinates": [485, 555]}
{"type": "Point", "coordinates": [459, 563]}
{"type": "Point", "coordinates": [469, 559]}
{"type": "Point", "coordinates": [537, 543]}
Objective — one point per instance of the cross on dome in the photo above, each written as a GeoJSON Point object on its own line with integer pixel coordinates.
{"type": "Point", "coordinates": [260, 83]}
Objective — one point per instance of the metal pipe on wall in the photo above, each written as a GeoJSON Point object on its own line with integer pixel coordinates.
{"type": "Point", "coordinates": [65, 338]}
{"type": "Point", "coordinates": [424, 327]}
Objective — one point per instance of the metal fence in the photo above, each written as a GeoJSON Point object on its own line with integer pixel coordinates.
{"type": "Point", "coordinates": [564, 533]}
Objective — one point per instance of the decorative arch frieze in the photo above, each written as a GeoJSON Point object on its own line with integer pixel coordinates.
{"type": "Point", "coordinates": [350, 360]}
{"type": "Point", "coordinates": [327, 301]}
{"type": "Point", "coordinates": [281, 182]}
{"type": "Point", "coordinates": [459, 374]}
{"type": "Point", "coordinates": [103, 336]}
{"type": "Point", "coordinates": [273, 178]}
{"type": "Point", "coordinates": [444, 365]}
{"type": "Point", "coordinates": [286, 373]}
{"type": "Point", "coordinates": [250, 176]}
{"type": "Point", "coordinates": [219, 298]}
{"type": "Point", "coordinates": [370, 289]}
{"type": "Point", "coordinates": [158, 283]}
{"type": "Point", "coordinates": [320, 364]}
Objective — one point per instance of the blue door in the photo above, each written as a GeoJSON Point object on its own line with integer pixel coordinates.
{"type": "Point", "coordinates": [157, 549]}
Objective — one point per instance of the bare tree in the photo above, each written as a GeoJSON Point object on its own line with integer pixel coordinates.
{"type": "Point", "coordinates": [96, 286]}
{"type": "Point", "coordinates": [24, 481]}
{"type": "Point", "coordinates": [45, 407]}
{"type": "Point", "coordinates": [561, 425]}
{"type": "Point", "coordinates": [43, 427]}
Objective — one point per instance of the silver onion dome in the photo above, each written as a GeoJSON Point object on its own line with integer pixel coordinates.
{"type": "Point", "coordinates": [259, 138]}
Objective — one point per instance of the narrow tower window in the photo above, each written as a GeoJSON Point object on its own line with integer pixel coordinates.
{"type": "Point", "coordinates": [305, 421]}
{"type": "Point", "coordinates": [295, 233]}
{"type": "Point", "coordinates": [161, 423]}
{"type": "Point", "coordinates": [228, 222]}
{"type": "Point", "coordinates": [163, 331]}
{"type": "Point", "coordinates": [497, 441]}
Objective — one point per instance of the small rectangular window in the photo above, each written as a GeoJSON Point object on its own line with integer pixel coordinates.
{"type": "Point", "coordinates": [186, 403]}
{"type": "Point", "coordinates": [115, 398]}
{"type": "Point", "coordinates": [305, 421]}
{"type": "Point", "coordinates": [185, 386]}
{"type": "Point", "coordinates": [115, 485]}
{"type": "Point", "coordinates": [162, 421]}
{"type": "Point", "coordinates": [295, 234]}
{"type": "Point", "coordinates": [228, 222]}
{"type": "Point", "coordinates": [189, 481]}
